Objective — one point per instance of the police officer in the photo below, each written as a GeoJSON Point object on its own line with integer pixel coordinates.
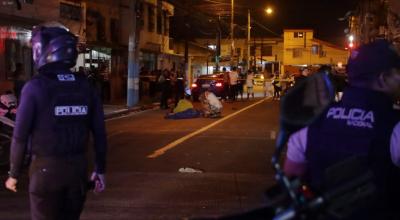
{"type": "Point", "coordinates": [363, 124]}
{"type": "Point", "coordinates": [58, 109]}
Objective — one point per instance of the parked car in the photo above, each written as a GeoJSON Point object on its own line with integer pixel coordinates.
{"type": "Point", "coordinates": [214, 82]}
{"type": "Point", "coordinates": [258, 79]}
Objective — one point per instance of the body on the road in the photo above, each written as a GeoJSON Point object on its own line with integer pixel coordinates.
{"type": "Point", "coordinates": [58, 109]}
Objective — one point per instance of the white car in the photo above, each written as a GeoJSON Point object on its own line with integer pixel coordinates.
{"type": "Point", "coordinates": [258, 79]}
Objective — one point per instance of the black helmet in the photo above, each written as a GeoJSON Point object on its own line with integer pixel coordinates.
{"type": "Point", "coordinates": [53, 45]}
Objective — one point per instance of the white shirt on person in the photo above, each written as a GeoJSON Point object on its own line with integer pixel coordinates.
{"type": "Point", "coordinates": [250, 80]}
{"type": "Point", "coordinates": [213, 100]}
{"type": "Point", "coordinates": [233, 77]}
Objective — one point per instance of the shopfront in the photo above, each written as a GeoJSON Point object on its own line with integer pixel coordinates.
{"type": "Point", "coordinates": [14, 48]}
{"type": "Point", "coordinates": [96, 61]}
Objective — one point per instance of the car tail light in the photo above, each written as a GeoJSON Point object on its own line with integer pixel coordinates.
{"type": "Point", "coordinates": [218, 85]}
{"type": "Point", "coordinates": [194, 85]}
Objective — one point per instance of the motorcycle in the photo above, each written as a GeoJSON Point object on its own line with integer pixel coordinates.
{"type": "Point", "coordinates": [8, 105]}
{"type": "Point", "coordinates": [350, 184]}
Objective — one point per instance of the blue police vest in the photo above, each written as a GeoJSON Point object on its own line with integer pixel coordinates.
{"type": "Point", "coordinates": [62, 121]}
{"type": "Point", "coordinates": [359, 125]}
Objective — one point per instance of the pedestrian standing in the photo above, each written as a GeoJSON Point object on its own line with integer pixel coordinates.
{"type": "Point", "coordinates": [58, 109]}
{"type": "Point", "coordinates": [180, 87]}
{"type": "Point", "coordinates": [233, 79]}
{"type": "Point", "coordinates": [240, 83]}
{"type": "Point", "coordinates": [277, 87]}
{"type": "Point", "coordinates": [267, 86]}
{"type": "Point", "coordinates": [165, 83]}
{"type": "Point", "coordinates": [303, 73]}
{"type": "Point", "coordinates": [226, 84]}
{"type": "Point", "coordinates": [250, 83]}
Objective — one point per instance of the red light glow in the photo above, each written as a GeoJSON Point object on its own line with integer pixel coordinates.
{"type": "Point", "coordinates": [218, 85]}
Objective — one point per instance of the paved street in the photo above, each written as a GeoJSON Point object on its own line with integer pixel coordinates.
{"type": "Point", "coordinates": [145, 155]}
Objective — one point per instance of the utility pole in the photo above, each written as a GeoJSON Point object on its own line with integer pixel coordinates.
{"type": "Point", "coordinates": [261, 53]}
{"type": "Point", "coordinates": [232, 30]}
{"type": "Point", "coordinates": [187, 72]}
{"type": "Point", "coordinates": [248, 38]}
{"type": "Point", "coordinates": [133, 73]}
{"type": "Point", "coordinates": [218, 49]}
{"type": "Point", "coordinates": [254, 55]}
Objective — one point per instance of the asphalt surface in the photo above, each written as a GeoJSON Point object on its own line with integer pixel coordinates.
{"type": "Point", "coordinates": [146, 152]}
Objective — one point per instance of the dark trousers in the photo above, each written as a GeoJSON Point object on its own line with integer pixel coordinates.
{"type": "Point", "coordinates": [277, 91]}
{"type": "Point", "coordinates": [233, 92]}
{"type": "Point", "coordinates": [164, 99]}
{"type": "Point", "coordinates": [226, 91]}
{"type": "Point", "coordinates": [57, 188]}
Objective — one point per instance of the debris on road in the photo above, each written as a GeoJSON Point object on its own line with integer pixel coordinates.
{"type": "Point", "coordinates": [189, 170]}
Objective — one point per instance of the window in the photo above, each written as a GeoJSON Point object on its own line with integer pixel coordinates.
{"type": "Point", "coordinates": [159, 22]}
{"type": "Point", "coordinates": [322, 53]}
{"type": "Point", "coordinates": [166, 23]}
{"type": "Point", "coordinates": [71, 12]}
{"type": "Point", "coordinates": [266, 51]}
{"type": "Point", "coordinates": [315, 49]}
{"type": "Point", "coordinates": [297, 52]}
{"type": "Point", "coordinates": [298, 34]}
{"type": "Point", "coordinates": [150, 18]}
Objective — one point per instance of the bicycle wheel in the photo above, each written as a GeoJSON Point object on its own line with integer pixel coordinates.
{"type": "Point", "coordinates": [5, 143]}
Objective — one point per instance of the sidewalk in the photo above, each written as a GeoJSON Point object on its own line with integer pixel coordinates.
{"type": "Point", "coordinates": [115, 110]}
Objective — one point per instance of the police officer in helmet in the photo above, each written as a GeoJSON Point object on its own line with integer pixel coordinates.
{"type": "Point", "coordinates": [364, 124]}
{"type": "Point", "coordinates": [57, 112]}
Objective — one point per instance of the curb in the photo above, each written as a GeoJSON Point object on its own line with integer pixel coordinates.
{"type": "Point", "coordinates": [135, 109]}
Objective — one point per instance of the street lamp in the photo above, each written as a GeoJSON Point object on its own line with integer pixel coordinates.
{"type": "Point", "coordinates": [269, 11]}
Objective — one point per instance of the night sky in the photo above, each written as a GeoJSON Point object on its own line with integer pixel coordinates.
{"type": "Point", "coordinates": [320, 15]}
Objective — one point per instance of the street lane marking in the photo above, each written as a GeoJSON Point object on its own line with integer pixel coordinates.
{"type": "Point", "coordinates": [175, 143]}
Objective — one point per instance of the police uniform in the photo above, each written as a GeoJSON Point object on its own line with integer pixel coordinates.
{"type": "Point", "coordinates": [362, 124]}
{"type": "Point", "coordinates": [58, 110]}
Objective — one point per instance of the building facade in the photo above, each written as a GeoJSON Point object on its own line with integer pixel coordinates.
{"type": "Point", "coordinates": [15, 35]}
{"type": "Point", "coordinates": [103, 31]}
{"type": "Point", "coordinates": [266, 54]}
{"type": "Point", "coordinates": [301, 49]}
